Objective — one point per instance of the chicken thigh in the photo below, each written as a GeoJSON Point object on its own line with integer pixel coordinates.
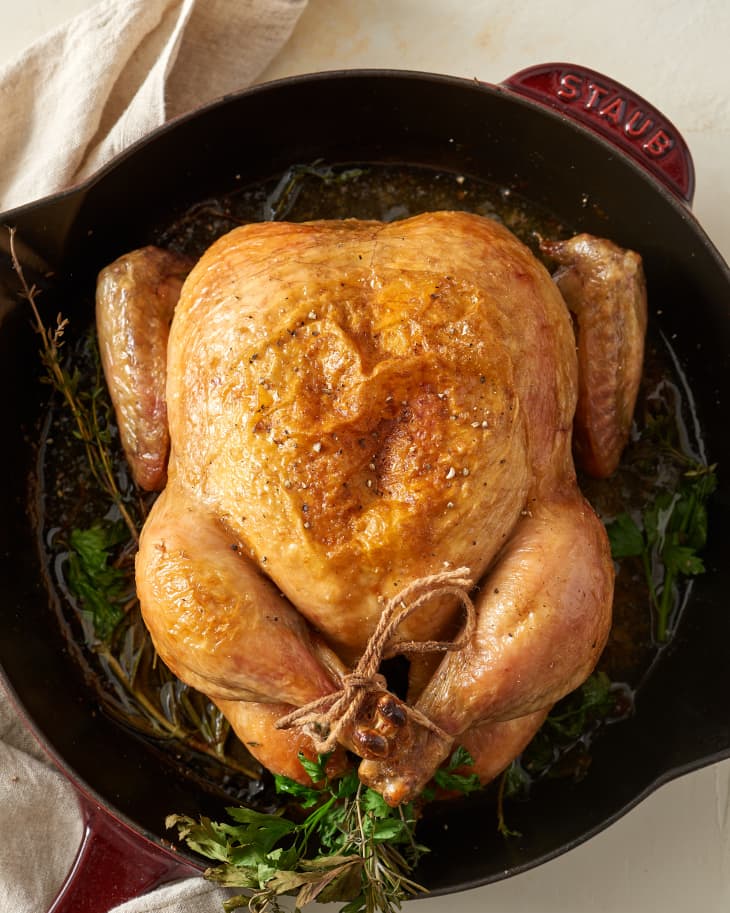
{"type": "Point", "coordinates": [354, 406]}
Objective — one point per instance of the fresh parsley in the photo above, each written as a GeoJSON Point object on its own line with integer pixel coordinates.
{"type": "Point", "coordinates": [453, 776]}
{"type": "Point", "coordinates": [101, 587]}
{"type": "Point", "coordinates": [573, 718]}
{"type": "Point", "coordinates": [577, 712]}
{"type": "Point", "coordinates": [667, 537]}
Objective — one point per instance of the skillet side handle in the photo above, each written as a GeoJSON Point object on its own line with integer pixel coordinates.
{"type": "Point", "coordinates": [616, 113]}
{"type": "Point", "coordinates": [114, 864]}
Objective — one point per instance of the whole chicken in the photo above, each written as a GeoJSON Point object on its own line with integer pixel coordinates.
{"type": "Point", "coordinates": [358, 409]}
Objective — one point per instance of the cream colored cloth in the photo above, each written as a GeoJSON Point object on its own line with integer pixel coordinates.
{"type": "Point", "coordinates": [90, 88]}
{"type": "Point", "coordinates": [36, 803]}
{"type": "Point", "coordinates": [69, 104]}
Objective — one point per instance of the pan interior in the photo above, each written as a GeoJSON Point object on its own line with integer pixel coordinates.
{"type": "Point", "coordinates": [489, 140]}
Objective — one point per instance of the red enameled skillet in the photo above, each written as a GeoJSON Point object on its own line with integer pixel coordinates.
{"type": "Point", "coordinates": [567, 138]}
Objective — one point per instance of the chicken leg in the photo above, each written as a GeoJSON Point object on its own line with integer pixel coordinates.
{"type": "Point", "coordinates": [542, 621]}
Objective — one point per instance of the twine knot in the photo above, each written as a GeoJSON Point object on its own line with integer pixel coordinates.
{"type": "Point", "coordinates": [325, 718]}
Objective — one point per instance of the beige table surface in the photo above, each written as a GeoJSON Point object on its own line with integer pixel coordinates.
{"type": "Point", "coordinates": [671, 853]}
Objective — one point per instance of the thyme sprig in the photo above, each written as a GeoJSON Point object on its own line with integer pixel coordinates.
{"type": "Point", "coordinates": [90, 408]}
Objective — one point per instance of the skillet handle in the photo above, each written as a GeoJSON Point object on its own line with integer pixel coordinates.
{"type": "Point", "coordinates": [616, 113]}
{"type": "Point", "coordinates": [114, 864]}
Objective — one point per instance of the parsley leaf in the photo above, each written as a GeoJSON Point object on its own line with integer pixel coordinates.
{"type": "Point", "coordinates": [306, 796]}
{"type": "Point", "coordinates": [448, 777]}
{"type": "Point", "coordinates": [671, 530]}
{"type": "Point", "coordinates": [99, 585]}
{"type": "Point", "coordinates": [592, 701]}
{"type": "Point", "coordinates": [627, 540]}
{"type": "Point", "coordinates": [260, 830]}
{"type": "Point", "coordinates": [316, 770]}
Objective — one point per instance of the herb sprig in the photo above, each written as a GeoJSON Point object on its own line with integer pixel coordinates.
{"type": "Point", "coordinates": [98, 570]}
{"type": "Point", "coordinates": [453, 778]}
{"type": "Point", "coordinates": [90, 408]}
{"type": "Point", "coordinates": [102, 587]}
{"type": "Point", "coordinates": [364, 850]}
{"type": "Point", "coordinates": [667, 537]}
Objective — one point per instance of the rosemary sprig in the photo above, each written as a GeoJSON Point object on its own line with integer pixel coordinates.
{"type": "Point", "coordinates": [204, 735]}
{"type": "Point", "coordinates": [90, 409]}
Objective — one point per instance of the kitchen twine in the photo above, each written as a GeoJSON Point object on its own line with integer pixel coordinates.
{"type": "Point", "coordinates": [324, 718]}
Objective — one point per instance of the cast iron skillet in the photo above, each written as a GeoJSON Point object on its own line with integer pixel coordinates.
{"type": "Point", "coordinates": [623, 173]}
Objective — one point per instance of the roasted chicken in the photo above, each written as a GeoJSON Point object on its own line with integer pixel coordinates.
{"type": "Point", "coordinates": [354, 406]}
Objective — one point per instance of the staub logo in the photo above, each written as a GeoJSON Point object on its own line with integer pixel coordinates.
{"type": "Point", "coordinates": [603, 102]}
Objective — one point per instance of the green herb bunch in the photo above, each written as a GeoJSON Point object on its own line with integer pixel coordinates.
{"type": "Point", "coordinates": [350, 847]}
{"type": "Point", "coordinates": [97, 560]}
{"type": "Point", "coordinates": [101, 585]}
{"type": "Point", "coordinates": [99, 572]}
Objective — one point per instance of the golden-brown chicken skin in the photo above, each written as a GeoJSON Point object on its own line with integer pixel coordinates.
{"type": "Point", "coordinates": [352, 406]}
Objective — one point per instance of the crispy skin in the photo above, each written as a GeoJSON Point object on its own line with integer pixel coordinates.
{"type": "Point", "coordinates": [215, 619]}
{"type": "Point", "coordinates": [346, 397]}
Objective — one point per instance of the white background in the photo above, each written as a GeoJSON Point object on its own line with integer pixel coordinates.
{"type": "Point", "coordinates": [672, 853]}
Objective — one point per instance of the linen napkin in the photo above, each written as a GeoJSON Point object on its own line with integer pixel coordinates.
{"type": "Point", "coordinates": [69, 104]}
{"type": "Point", "coordinates": [93, 86]}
